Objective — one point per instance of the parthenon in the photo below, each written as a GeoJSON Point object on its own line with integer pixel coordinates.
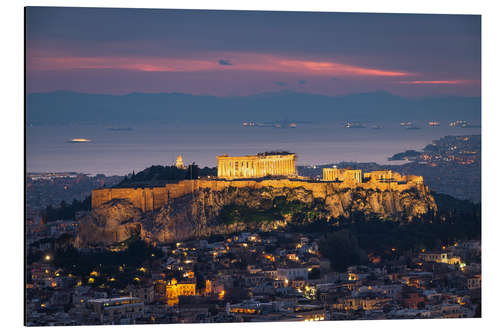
{"type": "Point", "coordinates": [344, 175]}
{"type": "Point", "coordinates": [256, 166]}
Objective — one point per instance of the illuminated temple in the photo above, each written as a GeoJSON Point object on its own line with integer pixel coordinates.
{"type": "Point", "coordinates": [256, 166]}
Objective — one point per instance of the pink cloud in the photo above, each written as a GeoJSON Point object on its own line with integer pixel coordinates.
{"type": "Point", "coordinates": [436, 82]}
{"type": "Point", "coordinates": [240, 62]}
{"type": "Point", "coordinates": [332, 68]}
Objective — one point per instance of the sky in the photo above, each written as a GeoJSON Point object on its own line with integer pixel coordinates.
{"type": "Point", "coordinates": [239, 53]}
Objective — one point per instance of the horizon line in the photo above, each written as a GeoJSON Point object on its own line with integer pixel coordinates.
{"type": "Point", "coordinates": [271, 92]}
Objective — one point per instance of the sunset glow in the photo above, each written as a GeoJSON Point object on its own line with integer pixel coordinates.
{"type": "Point", "coordinates": [239, 62]}
{"type": "Point", "coordinates": [436, 82]}
{"type": "Point", "coordinates": [238, 53]}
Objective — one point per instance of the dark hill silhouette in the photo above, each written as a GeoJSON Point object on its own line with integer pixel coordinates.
{"type": "Point", "coordinates": [66, 107]}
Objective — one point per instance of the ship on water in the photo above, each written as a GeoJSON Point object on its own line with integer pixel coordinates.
{"type": "Point", "coordinates": [276, 124]}
{"type": "Point", "coordinates": [434, 123]}
{"type": "Point", "coordinates": [80, 140]}
{"type": "Point", "coordinates": [463, 124]}
{"type": "Point", "coordinates": [353, 124]}
{"type": "Point", "coordinates": [409, 125]}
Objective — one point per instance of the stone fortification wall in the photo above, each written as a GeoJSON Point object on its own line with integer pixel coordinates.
{"type": "Point", "coordinates": [151, 198]}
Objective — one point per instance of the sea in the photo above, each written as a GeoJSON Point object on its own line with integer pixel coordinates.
{"type": "Point", "coordinates": [119, 151]}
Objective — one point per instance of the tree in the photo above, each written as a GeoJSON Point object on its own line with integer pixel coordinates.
{"type": "Point", "coordinates": [314, 274]}
{"type": "Point", "coordinates": [237, 294]}
{"type": "Point", "coordinates": [342, 249]}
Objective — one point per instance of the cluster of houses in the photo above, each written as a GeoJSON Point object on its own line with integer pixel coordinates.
{"type": "Point", "coordinates": [263, 277]}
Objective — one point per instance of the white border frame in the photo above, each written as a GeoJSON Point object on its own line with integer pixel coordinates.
{"type": "Point", "coordinates": [12, 21]}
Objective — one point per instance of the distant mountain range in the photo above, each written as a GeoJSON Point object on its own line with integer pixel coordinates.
{"type": "Point", "coordinates": [66, 107]}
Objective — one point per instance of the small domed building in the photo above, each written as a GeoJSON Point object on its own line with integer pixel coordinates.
{"type": "Point", "coordinates": [179, 164]}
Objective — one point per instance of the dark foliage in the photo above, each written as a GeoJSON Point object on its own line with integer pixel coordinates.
{"type": "Point", "coordinates": [158, 173]}
{"type": "Point", "coordinates": [314, 274]}
{"type": "Point", "coordinates": [273, 210]}
{"type": "Point", "coordinates": [123, 266]}
{"type": "Point", "coordinates": [342, 249]}
{"type": "Point", "coordinates": [455, 220]}
{"type": "Point", "coordinates": [65, 211]}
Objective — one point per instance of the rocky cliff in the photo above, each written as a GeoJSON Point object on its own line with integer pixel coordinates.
{"type": "Point", "coordinates": [209, 211]}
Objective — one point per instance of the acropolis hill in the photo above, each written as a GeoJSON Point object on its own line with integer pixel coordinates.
{"type": "Point", "coordinates": [238, 172]}
{"type": "Point", "coordinates": [204, 207]}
